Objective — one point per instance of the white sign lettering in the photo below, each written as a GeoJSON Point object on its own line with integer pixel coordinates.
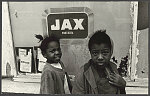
{"type": "Point", "coordinates": [67, 25]}
{"type": "Point", "coordinates": [78, 24]}
{"type": "Point", "coordinates": [57, 27]}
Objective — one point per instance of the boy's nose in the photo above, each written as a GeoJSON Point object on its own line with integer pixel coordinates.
{"type": "Point", "coordinates": [100, 56]}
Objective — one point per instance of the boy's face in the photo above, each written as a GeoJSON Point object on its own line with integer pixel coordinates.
{"type": "Point", "coordinates": [100, 54]}
{"type": "Point", "coordinates": [53, 52]}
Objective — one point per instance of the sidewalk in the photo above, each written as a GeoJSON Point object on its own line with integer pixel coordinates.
{"type": "Point", "coordinates": [139, 86]}
{"type": "Point", "coordinates": [32, 85]}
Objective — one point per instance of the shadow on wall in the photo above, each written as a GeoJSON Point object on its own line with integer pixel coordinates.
{"type": "Point", "coordinates": [8, 70]}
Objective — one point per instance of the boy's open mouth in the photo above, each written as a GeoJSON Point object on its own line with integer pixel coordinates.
{"type": "Point", "coordinates": [100, 63]}
{"type": "Point", "coordinates": [57, 57]}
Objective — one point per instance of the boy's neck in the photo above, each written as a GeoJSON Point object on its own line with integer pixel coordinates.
{"type": "Point", "coordinates": [50, 62]}
{"type": "Point", "coordinates": [99, 67]}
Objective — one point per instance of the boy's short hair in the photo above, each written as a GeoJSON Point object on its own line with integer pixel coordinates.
{"type": "Point", "coordinates": [47, 40]}
{"type": "Point", "coordinates": [99, 37]}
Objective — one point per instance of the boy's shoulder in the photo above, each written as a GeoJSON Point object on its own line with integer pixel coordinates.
{"type": "Point", "coordinates": [47, 68]}
{"type": "Point", "coordinates": [85, 66]}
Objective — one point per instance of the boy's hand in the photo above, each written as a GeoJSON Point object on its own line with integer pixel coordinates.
{"type": "Point", "coordinates": [116, 79]}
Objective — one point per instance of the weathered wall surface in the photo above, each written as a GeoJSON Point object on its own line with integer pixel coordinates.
{"type": "Point", "coordinates": [27, 19]}
{"type": "Point", "coordinates": [142, 65]}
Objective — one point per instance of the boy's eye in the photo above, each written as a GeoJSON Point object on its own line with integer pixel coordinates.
{"type": "Point", "coordinates": [52, 51]}
{"type": "Point", "coordinates": [95, 53]}
{"type": "Point", "coordinates": [105, 53]}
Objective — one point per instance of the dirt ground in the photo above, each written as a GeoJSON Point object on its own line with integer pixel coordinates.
{"type": "Point", "coordinates": [9, 86]}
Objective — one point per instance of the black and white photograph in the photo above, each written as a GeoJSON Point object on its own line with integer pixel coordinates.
{"type": "Point", "coordinates": [75, 47]}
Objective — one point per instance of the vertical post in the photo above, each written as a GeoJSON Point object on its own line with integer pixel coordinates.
{"type": "Point", "coordinates": [8, 56]}
{"type": "Point", "coordinates": [134, 41]}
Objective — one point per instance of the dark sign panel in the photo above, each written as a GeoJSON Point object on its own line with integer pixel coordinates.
{"type": "Point", "coordinates": [68, 25]}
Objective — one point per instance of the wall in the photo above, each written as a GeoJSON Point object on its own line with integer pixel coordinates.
{"type": "Point", "coordinates": [27, 19]}
{"type": "Point", "coordinates": [142, 65]}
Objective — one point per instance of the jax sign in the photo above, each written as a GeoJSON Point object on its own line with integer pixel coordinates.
{"type": "Point", "coordinates": [68, 25]}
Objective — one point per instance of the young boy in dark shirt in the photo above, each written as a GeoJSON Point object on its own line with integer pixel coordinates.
{"type": "Point", "coordinates": [99, 75]}
{"type": "Point", "coordinates": [54, 79]}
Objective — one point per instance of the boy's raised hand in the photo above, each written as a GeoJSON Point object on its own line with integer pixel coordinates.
{"type": "Point", "coordinates": [116, 80]}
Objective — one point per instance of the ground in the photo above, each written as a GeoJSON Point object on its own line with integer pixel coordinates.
{"type": "Point", "coordinates": [32, 85]}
